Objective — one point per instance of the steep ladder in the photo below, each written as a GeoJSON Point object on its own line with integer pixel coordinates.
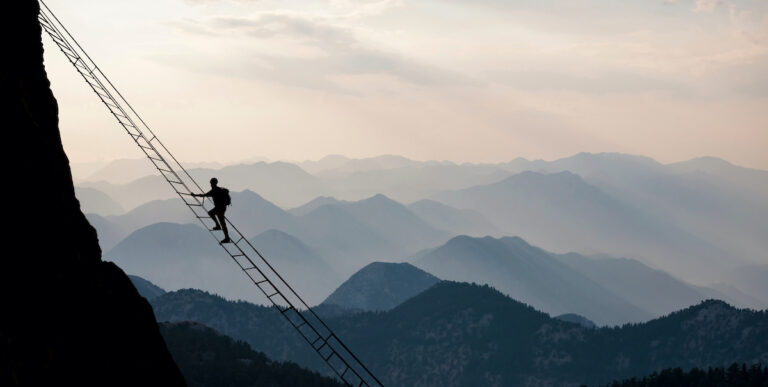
{"type": "Point", "coordinates": [283, 297]}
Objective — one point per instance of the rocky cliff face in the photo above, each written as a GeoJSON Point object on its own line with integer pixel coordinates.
{"type": "Point", "coordinates": [66, 317]}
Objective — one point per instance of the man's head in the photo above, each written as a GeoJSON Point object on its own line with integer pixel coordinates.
{"type": "Point", "coordinates": [214, 182]}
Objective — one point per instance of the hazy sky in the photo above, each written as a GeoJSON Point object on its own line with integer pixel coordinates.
{"type": "Point", "coordinates": [479, 80]}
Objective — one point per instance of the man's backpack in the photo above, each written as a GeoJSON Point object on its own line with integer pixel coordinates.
{"type": "Point", "coordinates": [226, 197]}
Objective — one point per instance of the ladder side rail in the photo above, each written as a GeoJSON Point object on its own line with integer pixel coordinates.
{"type": "Point", "coordinates": [325, 338]}
{"type": "Point", "coordinates": [109, 87]}
{"type": "Point", "coordinates": [90, 71]}
{"type": "Point", "coordinates": [304, 304]}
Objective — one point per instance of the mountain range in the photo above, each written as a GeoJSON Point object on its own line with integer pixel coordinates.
{"type": "Point", "coordinates": [565, 213]}
{"type": "Point", "coordinates": [457, 334]}
{"type": "Point", "coordinates": [350, 234]}
{"type": "Point", "coordinates": [176, 256]}
{"type": "Point", "coordinates": [615, 204]}
{"type": "Point", "coordinates": [528, 274]}
{"type": "Point", "coordinates": [604, 289]}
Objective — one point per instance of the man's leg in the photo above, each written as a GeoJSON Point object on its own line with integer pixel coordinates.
{"type": "Point", "coordinates": [223, 223]}
{"type": "Point", "coordinates": [212, 213]}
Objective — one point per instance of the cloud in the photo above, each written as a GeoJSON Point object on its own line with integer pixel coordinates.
{"type": "Point", "coordinates": [314, 53]}
{"type": "Point", "coordinates": [706, 6]}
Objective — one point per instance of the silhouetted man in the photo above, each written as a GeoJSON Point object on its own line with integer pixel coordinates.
{"type": "Point", "coordinates": [221, 200]}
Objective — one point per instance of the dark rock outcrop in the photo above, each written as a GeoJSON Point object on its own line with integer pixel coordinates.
{"type": "Point", "coordinates": [66, 317]}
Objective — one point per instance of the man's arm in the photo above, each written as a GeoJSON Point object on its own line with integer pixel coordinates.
{"type": "Point", "coordinates": [209, 193]}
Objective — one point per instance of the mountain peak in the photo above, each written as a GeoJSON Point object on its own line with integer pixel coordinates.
{"type": "Point", "coordinates": [380, 199]}
{"type": "Point", "coordinates": [381, 286]}
{"type": "Point", "coordinates": [447, 296]}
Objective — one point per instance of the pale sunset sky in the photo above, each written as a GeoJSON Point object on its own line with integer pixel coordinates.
{"type": "Point", "coordinates": [467, 81]}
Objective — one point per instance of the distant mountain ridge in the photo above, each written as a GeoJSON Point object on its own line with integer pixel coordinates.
{"type": "Point", "coordinates": [352, 234]}
{"type": "Point", "coordinates": [564, 212]}
{"type": "Point", "coordinates": [694, 219]}
{"type": "Point", "coordinates": [178, 256]}
{"type": "Point", "coordinates": [528, 274]}
{"type": "Point", "coordinates": [605, 289]}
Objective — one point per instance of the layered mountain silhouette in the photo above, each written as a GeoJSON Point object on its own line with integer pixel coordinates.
{"type": "Point", "coordinates": [175, 256]}
{"type": "Point", "coordinates": [528, 274]}
{"type": "Point", "coordinates": [282, 183]}
{"type": "Point", "coordinates": [455, 221]}
{"type": "Point", "coordinates": [709, 197]}
{"type": "Point", "coordinates": [124, 171]}
{"type": "Point", "coordinates": [687, 218]}
{"type": "Point", "coordinates": [652, 290]}
{"type": "Point", "coordinates": [563, 212]}
{"type": "Point", "coordinates": [556, 282]}
{"type": "Point", "coordinates": [303, 268]}
{"type": "Point", "coordinates": [381, 286]}
{"type": "Point", "coordinates": [349, 234]}
{"type": "Point", "coordinates": [97, 202]}
{"type": "Point", "coordinates": [457, 334]}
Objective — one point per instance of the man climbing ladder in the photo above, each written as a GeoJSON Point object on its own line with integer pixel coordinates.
{"type": "Point", "coordinates": [221, 200]}
{"type": "Point", "coordinates": [345, 364]}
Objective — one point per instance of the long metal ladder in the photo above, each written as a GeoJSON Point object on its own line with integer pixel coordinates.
{"type": "Point", "coordinates": [317, 334]}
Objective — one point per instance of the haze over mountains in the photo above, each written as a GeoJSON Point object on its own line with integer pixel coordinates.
{"type": "Point", "coordinates": [690, 230]}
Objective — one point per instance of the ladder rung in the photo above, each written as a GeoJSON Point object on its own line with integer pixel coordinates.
{"type": "Point", "coordinates": [56, 38]}
{"type": "Point", "coordinates": [80, 64]}
{"type": "Point", "coordinates": [174, 181]}
{"type": "Point", "coordinates": [273, 294]}
{"type": "Point", "coordinates": [330, 355]}
{"type": "Point", "coordinates": [49, 29]}
{"type": "Point", "coordinates": [285, 310]}
{"type": "Point", "coordinates": [71, 55]}
{"type": "Point", "coordinates": [316, 340]}
{"type": "Point", "coordinates": [105, 95]}
{"type": "Point", "coordinates": [300, 325]}
{"type": "Point", "coordinates": [45, 23]}
{"type": "Point", "coordinates": [103, 98]}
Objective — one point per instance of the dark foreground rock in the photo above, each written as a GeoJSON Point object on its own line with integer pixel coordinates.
{"type": "Point", "coordinates": [66, 317]}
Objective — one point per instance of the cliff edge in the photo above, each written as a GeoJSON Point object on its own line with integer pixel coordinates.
{"type": "Point", "coordinates": [66, 317]}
